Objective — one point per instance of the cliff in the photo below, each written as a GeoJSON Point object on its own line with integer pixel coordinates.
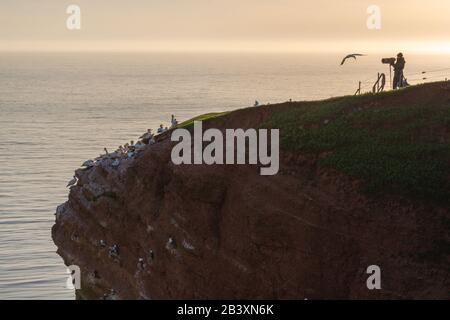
{"type": "Point", "coordinates": [363, 181]}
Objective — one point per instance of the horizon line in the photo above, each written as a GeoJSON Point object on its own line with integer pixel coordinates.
{"type": "Point", "coordinates": [203, 46]}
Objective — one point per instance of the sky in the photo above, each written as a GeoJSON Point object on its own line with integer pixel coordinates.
{"type": "Point", "coordinates": [225, 25]}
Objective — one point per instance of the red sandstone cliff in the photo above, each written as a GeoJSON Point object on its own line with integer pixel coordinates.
{"type": "Point", "coordinates": [307, 232]}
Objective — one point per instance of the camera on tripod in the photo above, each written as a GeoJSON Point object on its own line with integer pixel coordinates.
{"type": "Point", "coordinates": [388, 60]}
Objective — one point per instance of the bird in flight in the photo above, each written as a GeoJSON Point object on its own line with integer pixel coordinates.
{"type": "Point", "coordinates": [353, 55]}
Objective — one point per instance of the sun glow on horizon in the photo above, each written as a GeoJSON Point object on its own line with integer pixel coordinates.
{"type": "Point", "coordinates": [226, 26]}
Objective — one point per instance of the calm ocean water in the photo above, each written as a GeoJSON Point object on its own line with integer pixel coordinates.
{"type": "Point", "coordinates": [57, 110]}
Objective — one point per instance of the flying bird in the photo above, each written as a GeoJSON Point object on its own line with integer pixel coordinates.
{"type": "Point", "coordinates": [353, 55]}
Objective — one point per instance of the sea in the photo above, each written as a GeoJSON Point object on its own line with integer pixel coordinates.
{"type": "Point", "coordinates": [59, 109]}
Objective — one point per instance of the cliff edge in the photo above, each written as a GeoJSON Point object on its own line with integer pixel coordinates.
{"type": "Point", "coordinates": [363, 181]}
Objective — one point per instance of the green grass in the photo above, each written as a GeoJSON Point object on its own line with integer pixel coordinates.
{"type": "Point", "coordinates": [394, 148]}
{"type": "Point", "coordinates": [189, 123]}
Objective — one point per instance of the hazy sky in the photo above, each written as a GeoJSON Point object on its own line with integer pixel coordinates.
{"type": "Point", "coordinates": [266, 25]}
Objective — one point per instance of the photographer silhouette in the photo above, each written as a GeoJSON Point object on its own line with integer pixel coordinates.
{"type": "Point", "coordinates": [399, 65]}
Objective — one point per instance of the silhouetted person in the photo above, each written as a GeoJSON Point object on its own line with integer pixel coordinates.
{"type": "Point", "coordinates": [399, 65]}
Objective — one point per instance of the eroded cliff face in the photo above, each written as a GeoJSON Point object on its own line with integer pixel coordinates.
{"type": "Point", "coordinates": [306, 232]}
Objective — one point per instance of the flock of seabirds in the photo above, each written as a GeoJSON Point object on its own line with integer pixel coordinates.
{"type": "Point", "coordinates": [128, 150]}
{"type": "Point", "coordinates": [114, 254]}
{"type": "Point", "coordinates": [124, 152]}
{"type": "Point", "coordinates": [141, 265]}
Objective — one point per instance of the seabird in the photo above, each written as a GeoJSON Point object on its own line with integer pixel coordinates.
{"type": "Point", "coordinates": [60, 210]}
{"type": "Point", "coordinates": [139, 145]}
{"type": "Point", "coordinates": [171, 242]}
{"type": "Point", "coordinates": [72, 182]}
{"type": "Point", "coordinates": [114, 155]}
{"type": "Point", "coordinates": [114, 251]}
{"type": "Point", "coordinates": [173, 122]}
{"type": "Point", "coordinates": [102, 243]}
{"type": "Point", "coordinates": [88, 163]}
{"type": "Point", "coordinates": [353, 55]}
{"type": "Point", "coordinates": [151, 255]}
{"type": "Point", "coordinates": [147, 135]}
{"type": "Point", "coordinates": [141, 264]}
{"type": "Point", "coordinates": [115, 163]}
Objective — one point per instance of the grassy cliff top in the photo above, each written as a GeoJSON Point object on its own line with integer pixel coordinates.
{"type": "Point", "coordinates": [394, 142]}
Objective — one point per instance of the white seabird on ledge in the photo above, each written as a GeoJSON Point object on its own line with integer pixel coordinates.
{"type": "Point", "coordinates": [72, 182]}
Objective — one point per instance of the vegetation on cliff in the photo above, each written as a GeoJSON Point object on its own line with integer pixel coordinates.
{"type": "Point", "coordinates": [396, 141]}
{"type": "Point", "coordinates": [390, 141]}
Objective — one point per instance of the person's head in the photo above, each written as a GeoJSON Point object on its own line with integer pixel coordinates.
{"type": "Point", "coordinates": [400, 55]}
